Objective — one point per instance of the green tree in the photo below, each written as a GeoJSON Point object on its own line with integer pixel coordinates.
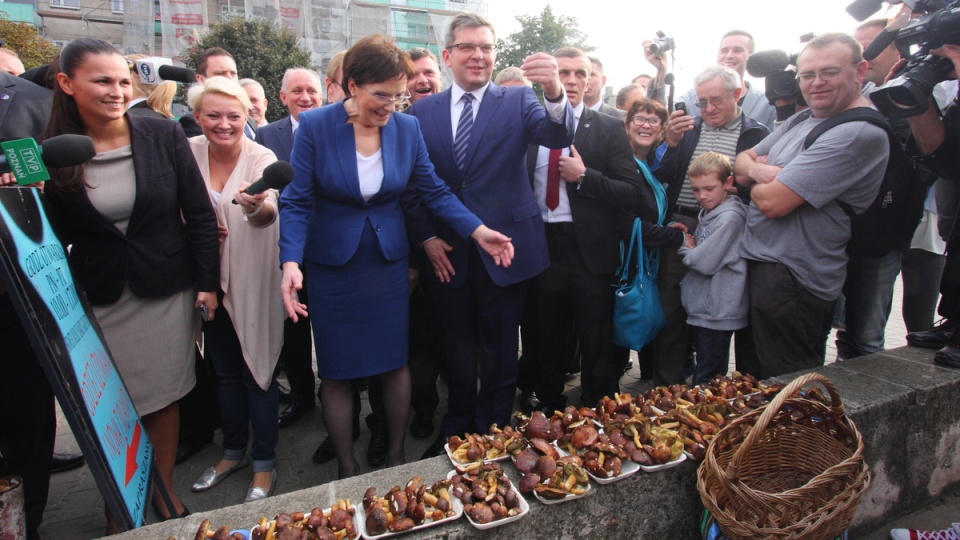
{"type": "Point", "coordinates": [263, 50]}
{"type": "Point", "coordinates": [539, 33]}
{"type": "Point", "coordinates": [22, 37]}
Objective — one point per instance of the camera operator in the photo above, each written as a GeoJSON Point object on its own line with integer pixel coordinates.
{"type": "Point", "coordinates": [936, 141]}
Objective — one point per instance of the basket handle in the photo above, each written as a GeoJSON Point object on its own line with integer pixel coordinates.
{"type": "Point", "coordinates": [789, 391]}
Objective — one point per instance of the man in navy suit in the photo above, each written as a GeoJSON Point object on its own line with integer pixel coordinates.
{"type": "Point", "coordinates": [300, 91]}
{"type": "Point", "coordinates": [480, 303]}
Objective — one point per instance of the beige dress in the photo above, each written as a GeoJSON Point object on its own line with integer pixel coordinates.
{"type": "Point", "coordinates": [151, 339]}
{"type": "Point", "coordinates": [249, 262]}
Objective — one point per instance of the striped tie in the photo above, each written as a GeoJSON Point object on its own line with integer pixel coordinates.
{"type": "Point", "coordinates": [463, 132]}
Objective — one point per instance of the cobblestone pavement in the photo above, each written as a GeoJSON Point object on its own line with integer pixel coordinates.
{"type": "Point", "coordinates": [75, 509]}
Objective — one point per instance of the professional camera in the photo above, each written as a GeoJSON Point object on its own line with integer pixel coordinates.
{"type": "Point", "coordinates": [662, 44]}
{"type": "Point", "coordinates": [907, 94]}
{"type": "Point", "coordinates": [779, 72]}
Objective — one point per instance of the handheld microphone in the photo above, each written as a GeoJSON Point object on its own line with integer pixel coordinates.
{"type": "Point", "coordinates": [177, 74]}
{"type": "Point", "coordinates": [765, 63]}
{"type": "Point", "coordinates": [275, 176]}
{"type": "Point", "coordinates": [155, 70]}
{"type": "Point", "coordinates": [60, 151]}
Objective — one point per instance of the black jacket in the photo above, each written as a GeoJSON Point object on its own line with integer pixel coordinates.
{"type": "Point", "coordinates": [161, 253]}
{"type": "Point", "coordinates": [674, 164]}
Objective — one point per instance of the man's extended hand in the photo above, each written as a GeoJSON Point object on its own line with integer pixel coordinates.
{"type": "Point", "coordinates": [542, 68]}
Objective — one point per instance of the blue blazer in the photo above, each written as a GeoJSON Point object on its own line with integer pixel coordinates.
{"type": "Point", "coordinates": [495, 185]}
{"type": "Point", "coordinates": [322, 212]}
{"type": "Point", "coordinates": [278, 137]}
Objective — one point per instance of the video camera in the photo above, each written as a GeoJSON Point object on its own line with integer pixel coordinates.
{"type": "Point", "coordinates": [907, 94]}
{"type": "Point", "coordinates": [779, 73]}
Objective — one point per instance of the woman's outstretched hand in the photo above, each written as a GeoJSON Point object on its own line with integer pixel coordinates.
{"type": "Point", "coordinates": [291, 283]}
{"type": "Point", "coordinates": [499, 247]}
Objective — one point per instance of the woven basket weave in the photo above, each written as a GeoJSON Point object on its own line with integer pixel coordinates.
{"type": "Point", "coordinates": [791, 470]}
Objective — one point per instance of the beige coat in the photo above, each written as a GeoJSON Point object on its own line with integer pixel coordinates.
{"type": "Point", "coordinates": [249, 262]}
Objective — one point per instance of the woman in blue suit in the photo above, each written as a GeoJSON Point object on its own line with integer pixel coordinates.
{"type": "Point", "coordinates": [342, 218]}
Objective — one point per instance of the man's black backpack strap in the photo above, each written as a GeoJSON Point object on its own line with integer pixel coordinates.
{"type": "Point", "coordinates": [890, 221]}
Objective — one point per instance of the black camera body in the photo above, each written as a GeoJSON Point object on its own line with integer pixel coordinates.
{"type": "Point", "coordinates": [779, 73]}
{"type": "Point", "coordinates": [907, 94]}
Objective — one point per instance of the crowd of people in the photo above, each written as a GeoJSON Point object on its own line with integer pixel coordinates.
{"type": "Point", "coordinates": [427, 231]}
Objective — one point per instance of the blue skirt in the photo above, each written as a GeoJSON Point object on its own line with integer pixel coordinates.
{"type": "Point", "coordinates": [359, 313]}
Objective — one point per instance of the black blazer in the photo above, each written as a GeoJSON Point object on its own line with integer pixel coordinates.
{"type": "Point", "coordinates": [24, 108]}
{"type": "Point", "coordinates": [161, 253]}
{"type": "Point", "coordinates": [612, 194]}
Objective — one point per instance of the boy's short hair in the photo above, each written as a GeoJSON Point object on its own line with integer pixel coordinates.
{"type": "Point", "coordinates": [710, 163]}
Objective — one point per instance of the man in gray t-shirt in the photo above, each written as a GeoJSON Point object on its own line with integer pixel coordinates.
{"type": "Point", "coordinates": [796, 233]}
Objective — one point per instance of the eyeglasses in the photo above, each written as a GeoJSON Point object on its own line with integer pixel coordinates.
{"type": "Point", "coordinates": [385, 99]}
{"type": "Point", "coordinates": [652, 121]}
{"type": "Point", "coordinates": [716, 101]}
{"type": "Point", "coordinates": [807, 77]}
{"type": "Point", "coordinates": [470, 48]}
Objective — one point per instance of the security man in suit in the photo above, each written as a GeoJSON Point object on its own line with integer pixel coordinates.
{"type": "Point", "coordinates": [589, 196]}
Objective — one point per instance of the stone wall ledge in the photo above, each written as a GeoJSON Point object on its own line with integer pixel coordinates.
{"type": "Point", "coordinates": [905, 406]}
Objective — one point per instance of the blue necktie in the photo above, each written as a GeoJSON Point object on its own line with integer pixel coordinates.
{"type": "Point", "coordinates": [463, 132]}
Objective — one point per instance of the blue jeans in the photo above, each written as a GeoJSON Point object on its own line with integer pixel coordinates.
{"type": "Point", "coordinates": [242, 402]}
{"type": "Point", "coordinates": [868, 294]}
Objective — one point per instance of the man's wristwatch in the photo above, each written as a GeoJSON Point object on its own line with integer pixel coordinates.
{"type": "Point", "coordinates": [581, 178]}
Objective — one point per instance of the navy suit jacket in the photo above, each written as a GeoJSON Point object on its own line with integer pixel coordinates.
{"type": "Point", "coordinates": [278, 137]}
{"type": "Point", "coordinates": [162, 252]}
{"type": "Point", "coordinates": [495, 185]}
{"type": "Point", "coordinates": [323, 213]}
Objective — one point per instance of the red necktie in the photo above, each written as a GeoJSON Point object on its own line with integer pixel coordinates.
{"type": "Point", "coordinates": [553, 179]}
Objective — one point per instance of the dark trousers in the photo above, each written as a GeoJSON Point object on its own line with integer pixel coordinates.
{"type": "Point", "coordinates": [713, 352]}
{"type": "Point", "coordinates": [921, 271]}
{"type": "Point", "coordinates": [567, 291]}
{"type": "Point", "coordinates": [669, 348]}
{"type": "Point", "coordinates": [480, 322]}
{"type": "Point", "coordinates": [297, 356]}
{"type": "Point", "coordinates": [200, 408]}
{"type": "Point", "coordinates": [28, 422]}
{"type": "Point", "coordinates": [426, 352]}
{"type": "Point", "coordinates": [787, 320]}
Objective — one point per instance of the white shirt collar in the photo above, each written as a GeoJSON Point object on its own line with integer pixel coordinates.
{"type": "Point", "coordinates": [456, 93]}
{"type": "Point", "coordinates": [295, 123]}
{"type": "Point", "coordinates": [596, 106]}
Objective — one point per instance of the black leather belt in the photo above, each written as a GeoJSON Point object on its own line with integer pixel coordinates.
{"type": "Point", "coordinates": [560, 227]}
{"type": "Point", "coordinates": [689, 212]}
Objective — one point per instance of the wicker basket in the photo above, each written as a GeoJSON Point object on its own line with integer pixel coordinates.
{"type": "Point", "coordinates": [791, 470]}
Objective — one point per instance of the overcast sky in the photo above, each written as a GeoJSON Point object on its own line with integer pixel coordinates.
{"type": "Point", "coordinates": [618, 27]}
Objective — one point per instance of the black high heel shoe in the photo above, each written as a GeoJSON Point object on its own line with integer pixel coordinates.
{"type": "Point", "coordinates": [156, 510]}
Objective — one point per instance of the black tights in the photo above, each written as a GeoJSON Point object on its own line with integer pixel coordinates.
{"type": "Point", "coordinates": [336, 397]}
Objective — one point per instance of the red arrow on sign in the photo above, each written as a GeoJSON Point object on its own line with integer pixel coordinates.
{"type": "Point", "coordinates": [132, 454]}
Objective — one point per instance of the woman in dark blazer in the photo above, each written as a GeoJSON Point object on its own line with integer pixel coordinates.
{"type": "Point", "coordinates": [342, 218]}
{"type": "Point", "coordinates": [143, 236]}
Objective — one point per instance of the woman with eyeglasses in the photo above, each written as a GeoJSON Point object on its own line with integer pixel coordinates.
{"type": "Point", "coordinates": [342, 220]}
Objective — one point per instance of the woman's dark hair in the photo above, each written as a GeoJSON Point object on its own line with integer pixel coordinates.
{"type": "Point", "coordinates": [65, 116]}
{"type": "Point", "coordinates": [375, 59]}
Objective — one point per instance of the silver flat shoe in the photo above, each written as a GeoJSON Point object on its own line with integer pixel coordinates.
{"type": "Point", "coordinates": [258, 493]}
{"type": "Point", "coordinates": [211, 477]}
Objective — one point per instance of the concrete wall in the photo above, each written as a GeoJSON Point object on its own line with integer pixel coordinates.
{"type": "Point", "coordinates": [905, 406]}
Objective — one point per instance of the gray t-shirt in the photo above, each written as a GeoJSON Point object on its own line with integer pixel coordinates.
{"type": "Point", "coordinates": [846, 163]}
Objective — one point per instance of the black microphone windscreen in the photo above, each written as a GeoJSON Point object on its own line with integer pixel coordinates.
{"type": "Point", "coordinates": [765, 63]}
{"type": "Point", "coordinates": [67, 151]}
{"type": "Point", "coordinates": [177, 74]}
{"type": "Point", "coordinates": [879, 44]}
{"type": "Point", "coordinates": [277, 175]}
